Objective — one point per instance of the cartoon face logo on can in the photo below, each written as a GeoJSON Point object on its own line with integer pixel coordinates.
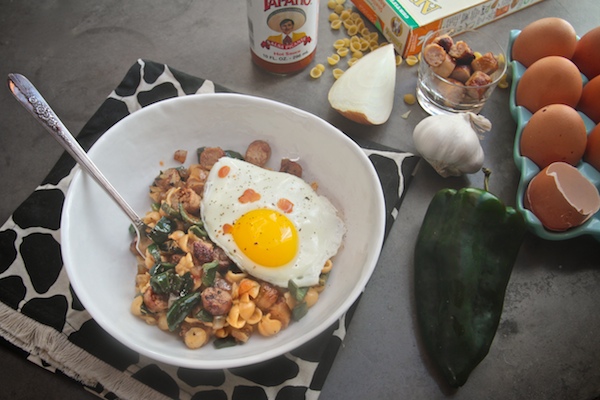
{"type": "Point", "coordinates": [286, 23]}
{"type": "Point", "coordinates": [283, 33]}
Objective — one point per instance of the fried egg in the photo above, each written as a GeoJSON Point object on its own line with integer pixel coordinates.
{"type": "Point", "coordinates": [273, 225]}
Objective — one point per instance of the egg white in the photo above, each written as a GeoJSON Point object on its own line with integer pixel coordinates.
{"type": "Point", "coordinates": [320, 229]}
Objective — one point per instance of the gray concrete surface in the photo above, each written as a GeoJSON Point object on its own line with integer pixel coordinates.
{"type": "Point", "coordinates": [77, 51]}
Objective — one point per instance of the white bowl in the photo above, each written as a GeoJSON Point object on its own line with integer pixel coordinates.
{"type": "Point", "coordinates": [94, 231]}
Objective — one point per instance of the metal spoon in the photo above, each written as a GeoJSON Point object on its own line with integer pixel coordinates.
{"type": "Point", "coordinates": [32, 100]}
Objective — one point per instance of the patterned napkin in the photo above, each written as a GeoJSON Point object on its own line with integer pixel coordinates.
{"type": "Point", "coordinates": [41, 315]}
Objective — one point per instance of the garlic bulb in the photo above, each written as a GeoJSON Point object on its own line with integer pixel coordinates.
{"type": "Point", "coordinates": [450, 143]}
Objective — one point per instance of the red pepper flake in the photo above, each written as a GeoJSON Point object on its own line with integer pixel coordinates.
{"type": "Point", "coordinates": [285, 205]}
{"type": "Point", "coordinates": [249, 196]}
{"type": "Point", "coordinates": [227, 228]}
{"type": "Point", "coordinates": [224, 171]}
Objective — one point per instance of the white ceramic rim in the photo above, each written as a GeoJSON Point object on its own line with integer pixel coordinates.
{"type": "Point", "coordinates": [198, 363]}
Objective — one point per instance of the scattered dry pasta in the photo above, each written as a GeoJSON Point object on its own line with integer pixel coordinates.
{"type": "Point", "coordinates": [503, 84]}
{"type": "Point", "coordinates": [343, 51]}
{"type": "Point", "coordinates": [357, 54]}
{"type": "Point", "coordinates": [315, 73]}
{"type": "Point", "coordinates": [333, 59]}
{"type": "Point", "coordinates": [339, 44]}
{"type": "Point", "coordinates": [412, 60]}
{"type": "Point", "coordinates": [352, 30]}
{"type": "Point", "coordinates": [359, 38]}
{"type": "Point", "coordinates": [410, 99]}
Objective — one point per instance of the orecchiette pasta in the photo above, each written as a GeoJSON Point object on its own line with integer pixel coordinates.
{"type": "Point", "coordinates": [195, 338]}
{"type": "Point", "coordinates": [235, 276]}
{"type": "Point", "coordinates": [249, 286]}
{"type": "Point", "coordinates": [246, 308]}
{"type": "Point", "coordinates": [311, 297]}
{"type": "Point", "coordinates": [327, 267]}
{"type": "Point", "coordinates": [162, 322]}
{"type": "Point", "coordinates": [136, 306]}
{"type": "Point", "coordinates": [185, 264]}
{"type": "Point", "coordinates": [268, 326]}
{"type": "Point", "coordinates": [187, 285]}
{"type": "Point", "coordinates": [141, 280]}
{"type": "Point", "coordinates": [151, 218]}
{"type": "Point", "coordinates": [234, 319]}
{"type": "Point", "coordinates": [243, 334]}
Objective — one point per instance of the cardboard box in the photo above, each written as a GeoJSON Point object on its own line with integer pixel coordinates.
{"type": "Point", "coordinates": [406, 22]}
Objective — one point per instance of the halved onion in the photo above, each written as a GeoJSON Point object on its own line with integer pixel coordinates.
{"type": "Point", "coordinates": [365, 92]}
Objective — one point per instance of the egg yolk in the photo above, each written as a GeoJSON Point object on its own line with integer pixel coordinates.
{"type": "Point", "coordinates": [266, 237]}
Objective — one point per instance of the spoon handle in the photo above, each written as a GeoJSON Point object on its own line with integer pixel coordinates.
{"type": "Point", "coordinates": [32, 100]}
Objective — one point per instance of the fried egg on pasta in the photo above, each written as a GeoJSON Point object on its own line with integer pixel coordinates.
{"type": "Point", "coordinates": [273, 225]}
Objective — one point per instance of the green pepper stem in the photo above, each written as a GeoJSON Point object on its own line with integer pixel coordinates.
{"type": "Point", "coordinates": [486, 178]}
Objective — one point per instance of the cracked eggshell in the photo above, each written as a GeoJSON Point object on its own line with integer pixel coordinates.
{"type": "Point", "coordinates": [561, 197]}
{"type": "Point", "coordinates": [365, 92]}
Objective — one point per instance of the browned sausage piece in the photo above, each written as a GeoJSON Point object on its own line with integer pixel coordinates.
{"type": "Point", "coordinates": [280, 311]}
{"type": "Point", "coordinates": [478, 79]}
{"type": "Point", "coordinates": [461, 73]}
{"type": "Point", "coordinates": [461, 52]}
{"type": "Point", "coordinates": [224, 260]}
{"type": "Point", "coordinates": [221, 283]}
{"type": "Point", "coordinates": [203, 251]}
{"type": "Point", "coordinates": [210, 156]}
{"type": "Point", "coordinates": [180, 155]}
{"type": "Point", "coordinates": [216, 301]}
{"type": "Point", "coordinates": [486, 63]}
{"type": "Point", "coordinates": [445, 68]}
{"type": "Point", "coordinates": [452, 94]}
{"type": "Point", "coordinates": [267, 296]}
{"type": "Point", "coordinates": [189, 199]}
{"type": "Point", "coordinates": [291, 167]}
{"type": "Point", "coordinates": [445, 41]}
{"type": "Point", "coordinates": [258, 153]}
{"type": "Point", "coordinates": [155, 302]}
{"type": "Point", "coordinates": [168, 179]}
{"type": "Point", "coordinates": [434, 54]}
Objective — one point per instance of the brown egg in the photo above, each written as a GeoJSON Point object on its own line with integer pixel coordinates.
{"type": "Point", "coordinates": [592, 150]}
{"type": "Point", "coordinates": [550, 80]}
{"type": "Point", "coordinates": [544, 37]}
{"type": "Point", "coordinates": [554, 133]}
{"type": "Point", "coordinates": [561, 197]}
{"type": "Point", "coordinates": [587, 53]}
{"type": "Point", "coordinates": [589, 103]}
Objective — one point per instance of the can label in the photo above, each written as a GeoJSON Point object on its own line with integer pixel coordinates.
{"type": "Point", "coordinates": [283, 31]}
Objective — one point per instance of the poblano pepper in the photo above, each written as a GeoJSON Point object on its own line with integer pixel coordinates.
{"type": "Point", "coordinates": [464, 256]}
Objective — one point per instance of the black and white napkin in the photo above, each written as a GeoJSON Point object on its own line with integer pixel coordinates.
{"type": "Point", "coordinates": [41, 315]}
